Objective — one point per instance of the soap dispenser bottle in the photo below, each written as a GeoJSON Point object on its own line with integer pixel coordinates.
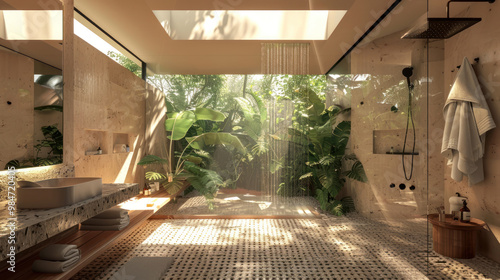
{"type": "Point", "coordinates": [455, 204]}
{"type": "Point", "coordinates": [464, 213]}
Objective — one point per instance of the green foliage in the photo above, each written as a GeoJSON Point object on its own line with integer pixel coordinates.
{"type": "Point", "coordinates": [126, 62]}
{"type": "Point", "coordinates": [53, 141]}
{"type": "Point", "coordinates": [57, 108]}
{"type": "Point", "coordinates": [187, 92]}
{"type": "Point", "coordinates": [216, 138]}
{"type": "Point", "coordinates": [357, 172]}
{"type": "Point", "coordinates": [155, 176]}
{"type": "Point", "coordinates": [327, 157]}
{"type": "Point", "coordinates": [209, 115]}
{"type": "Point", "coordinates": [179, 123]}
{"type": "Point", "coordinates": [152, 159]}
{"type": "Point", "coordinates": [205, 181]}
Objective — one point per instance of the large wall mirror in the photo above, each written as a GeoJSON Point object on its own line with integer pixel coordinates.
{"type": "Point", "coordinates": [31, 83]}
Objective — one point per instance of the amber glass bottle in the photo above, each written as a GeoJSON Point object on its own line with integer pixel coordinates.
{"type": "Point", "coordinates": [465, 213]}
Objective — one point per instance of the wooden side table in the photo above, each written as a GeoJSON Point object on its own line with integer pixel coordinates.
{"type": "Point", "coordinates": [453, 238]}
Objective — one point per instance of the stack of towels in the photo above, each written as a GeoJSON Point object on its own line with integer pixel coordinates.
{"type": "Point", "coordinates": [112, 219]}
{"type": "Point", "coordinates": [57, 258]}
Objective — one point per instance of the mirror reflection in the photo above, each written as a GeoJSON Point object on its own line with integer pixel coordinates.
{"type": "Point", "coordinates": [31, 83]}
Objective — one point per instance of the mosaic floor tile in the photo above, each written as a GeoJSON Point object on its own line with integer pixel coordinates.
{"type": "Point", "coordinates": [349, 247]}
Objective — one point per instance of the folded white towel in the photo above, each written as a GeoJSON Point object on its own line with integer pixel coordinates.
{"type": "Point", "coordinates": [54, 266]}
{"type": "Point", "coordinates": [113, 213]}
{"type": "Point", "coordinates": [107, 222]}
{"type": "Point", "coordinates": [104, 228]}
{"type": "Point", "coordinates": [59, 252]}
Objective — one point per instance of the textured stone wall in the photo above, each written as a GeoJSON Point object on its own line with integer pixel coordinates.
{"type": "Point", "coordinates": [376, 85]}
{"type": "Point", "coordinates": [483, 41]}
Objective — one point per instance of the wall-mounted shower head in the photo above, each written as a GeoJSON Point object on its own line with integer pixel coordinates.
{"type": "Point", "coordinates": [408, 72]}
{"type": "Point", "coordinates": [442, 28]}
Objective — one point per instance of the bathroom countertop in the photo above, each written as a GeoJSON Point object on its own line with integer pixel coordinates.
{"type": "Point", "coordinates": [36, 225]}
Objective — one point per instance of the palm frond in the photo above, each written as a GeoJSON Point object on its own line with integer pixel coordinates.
{"type": "Point", "coordinates": [152, 159]}
{"type": "Point", "coordinates": [357, 172]}
{"type": "Point", "coordinates": [327, 160]}
{"type": "Point", "coordinates": [348, 204]}
{"type": "Point", "coordinates": [305, 176]}
{"type": "Point", "coordinates": [154, 176]}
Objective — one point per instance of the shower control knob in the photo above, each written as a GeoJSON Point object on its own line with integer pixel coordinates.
{"type": "Point", "coordinates": [392, 185]}
{"type": "Point", "coordinates": [402, 186]}
{"type": "Point", "coordinates": [412, 187]}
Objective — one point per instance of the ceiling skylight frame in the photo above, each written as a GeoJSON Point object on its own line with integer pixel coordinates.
{"type": "Point", "coordinates": [275, 25]}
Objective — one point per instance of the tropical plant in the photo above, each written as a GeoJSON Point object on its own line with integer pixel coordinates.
{"type": "Point", "coordinates": [206, 181]}
{"type": "Point", "coordinates": [328, 163]}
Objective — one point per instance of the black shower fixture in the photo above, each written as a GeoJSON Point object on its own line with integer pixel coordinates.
{"type": "Point", "coordinates": [442, 28]}
{"type": "Point", "coordinates": [408, 72]}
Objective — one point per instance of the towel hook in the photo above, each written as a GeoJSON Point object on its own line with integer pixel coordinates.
{"type": "Point", "coordinates": [476, 60]}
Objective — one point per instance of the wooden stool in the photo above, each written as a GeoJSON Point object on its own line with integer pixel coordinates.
{"type": "Point", "coordinates": [453, 238]}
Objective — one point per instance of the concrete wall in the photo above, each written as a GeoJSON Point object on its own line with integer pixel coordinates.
{"type": "Point", "coordinates": [483, 41]}
{"type": "Point", "coordinates": [376, 85]}
{"type": "Point", "coordinates": [109, 109]}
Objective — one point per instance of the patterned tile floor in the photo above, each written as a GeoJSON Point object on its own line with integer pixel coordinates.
{"type": "Point", "coordinates": [242, 204]}
{"type": "Point", "coordinates": [349, 247]}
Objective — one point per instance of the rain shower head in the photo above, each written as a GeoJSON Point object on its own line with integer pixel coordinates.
{"type": "Point", "coordinates": [442, 28]}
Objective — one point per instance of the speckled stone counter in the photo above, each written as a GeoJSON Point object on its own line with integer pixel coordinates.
{"type": "Point", "coordinates": [34, 226]}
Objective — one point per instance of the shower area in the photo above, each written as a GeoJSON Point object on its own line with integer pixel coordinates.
{"type": "Point", "coordinates": [287, 175]}
{"type": "Point", "coordinates": [357, 139]}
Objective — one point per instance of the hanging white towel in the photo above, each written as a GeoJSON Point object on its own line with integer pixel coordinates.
{"type": "Point", "coordinates": [467, 119]}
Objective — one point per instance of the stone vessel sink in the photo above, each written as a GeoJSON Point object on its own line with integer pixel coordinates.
{"type": "Point", "coordinates": [54, 193]}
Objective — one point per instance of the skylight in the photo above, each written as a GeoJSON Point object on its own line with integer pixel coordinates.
{"type": "Point", "coordinates": [249, 25]}
{"type": "Point", "coordinates": [31, 25]}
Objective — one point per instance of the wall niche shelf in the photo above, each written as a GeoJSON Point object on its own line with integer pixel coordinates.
{"type": "Point", "coordinates": [387, 139]}
{"type": "Point", "coordinates": [96, 139]}
{"type": "Point", "coordinates": [123, 143]}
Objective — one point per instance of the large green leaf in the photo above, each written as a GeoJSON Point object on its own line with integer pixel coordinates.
{"type": "Point", "coordinates": [209, 115]}
{"type": "Point", "coordinates": [169, 105]}
{"type": "Point", "coordinates": [317, 105]}
{"type": "Point", "coordinates": [173, 187]}
{"type": "Point", "coordinates": [261, 106]}
{"type": "Point", "coordinates": [251, 121]}
{"type": "Point", "coordinates": [152, 159]}
{"type": "Point", "coordinates": [205, 181]}
{"type": "Point", "coordinates": [154, 176]}
{"type": "Point", "coordinates": [357, 172]}
{"type": "Point", "coordinates": [341, 135]}
{"type": "Point", "coordinates": [179, 124]}
{"type": "Point", "coordinates": [216, 138]}
{"type": "Point", "coordinates": [348, 204]}
{"type": "Point", "coordinates": [57, 108]}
